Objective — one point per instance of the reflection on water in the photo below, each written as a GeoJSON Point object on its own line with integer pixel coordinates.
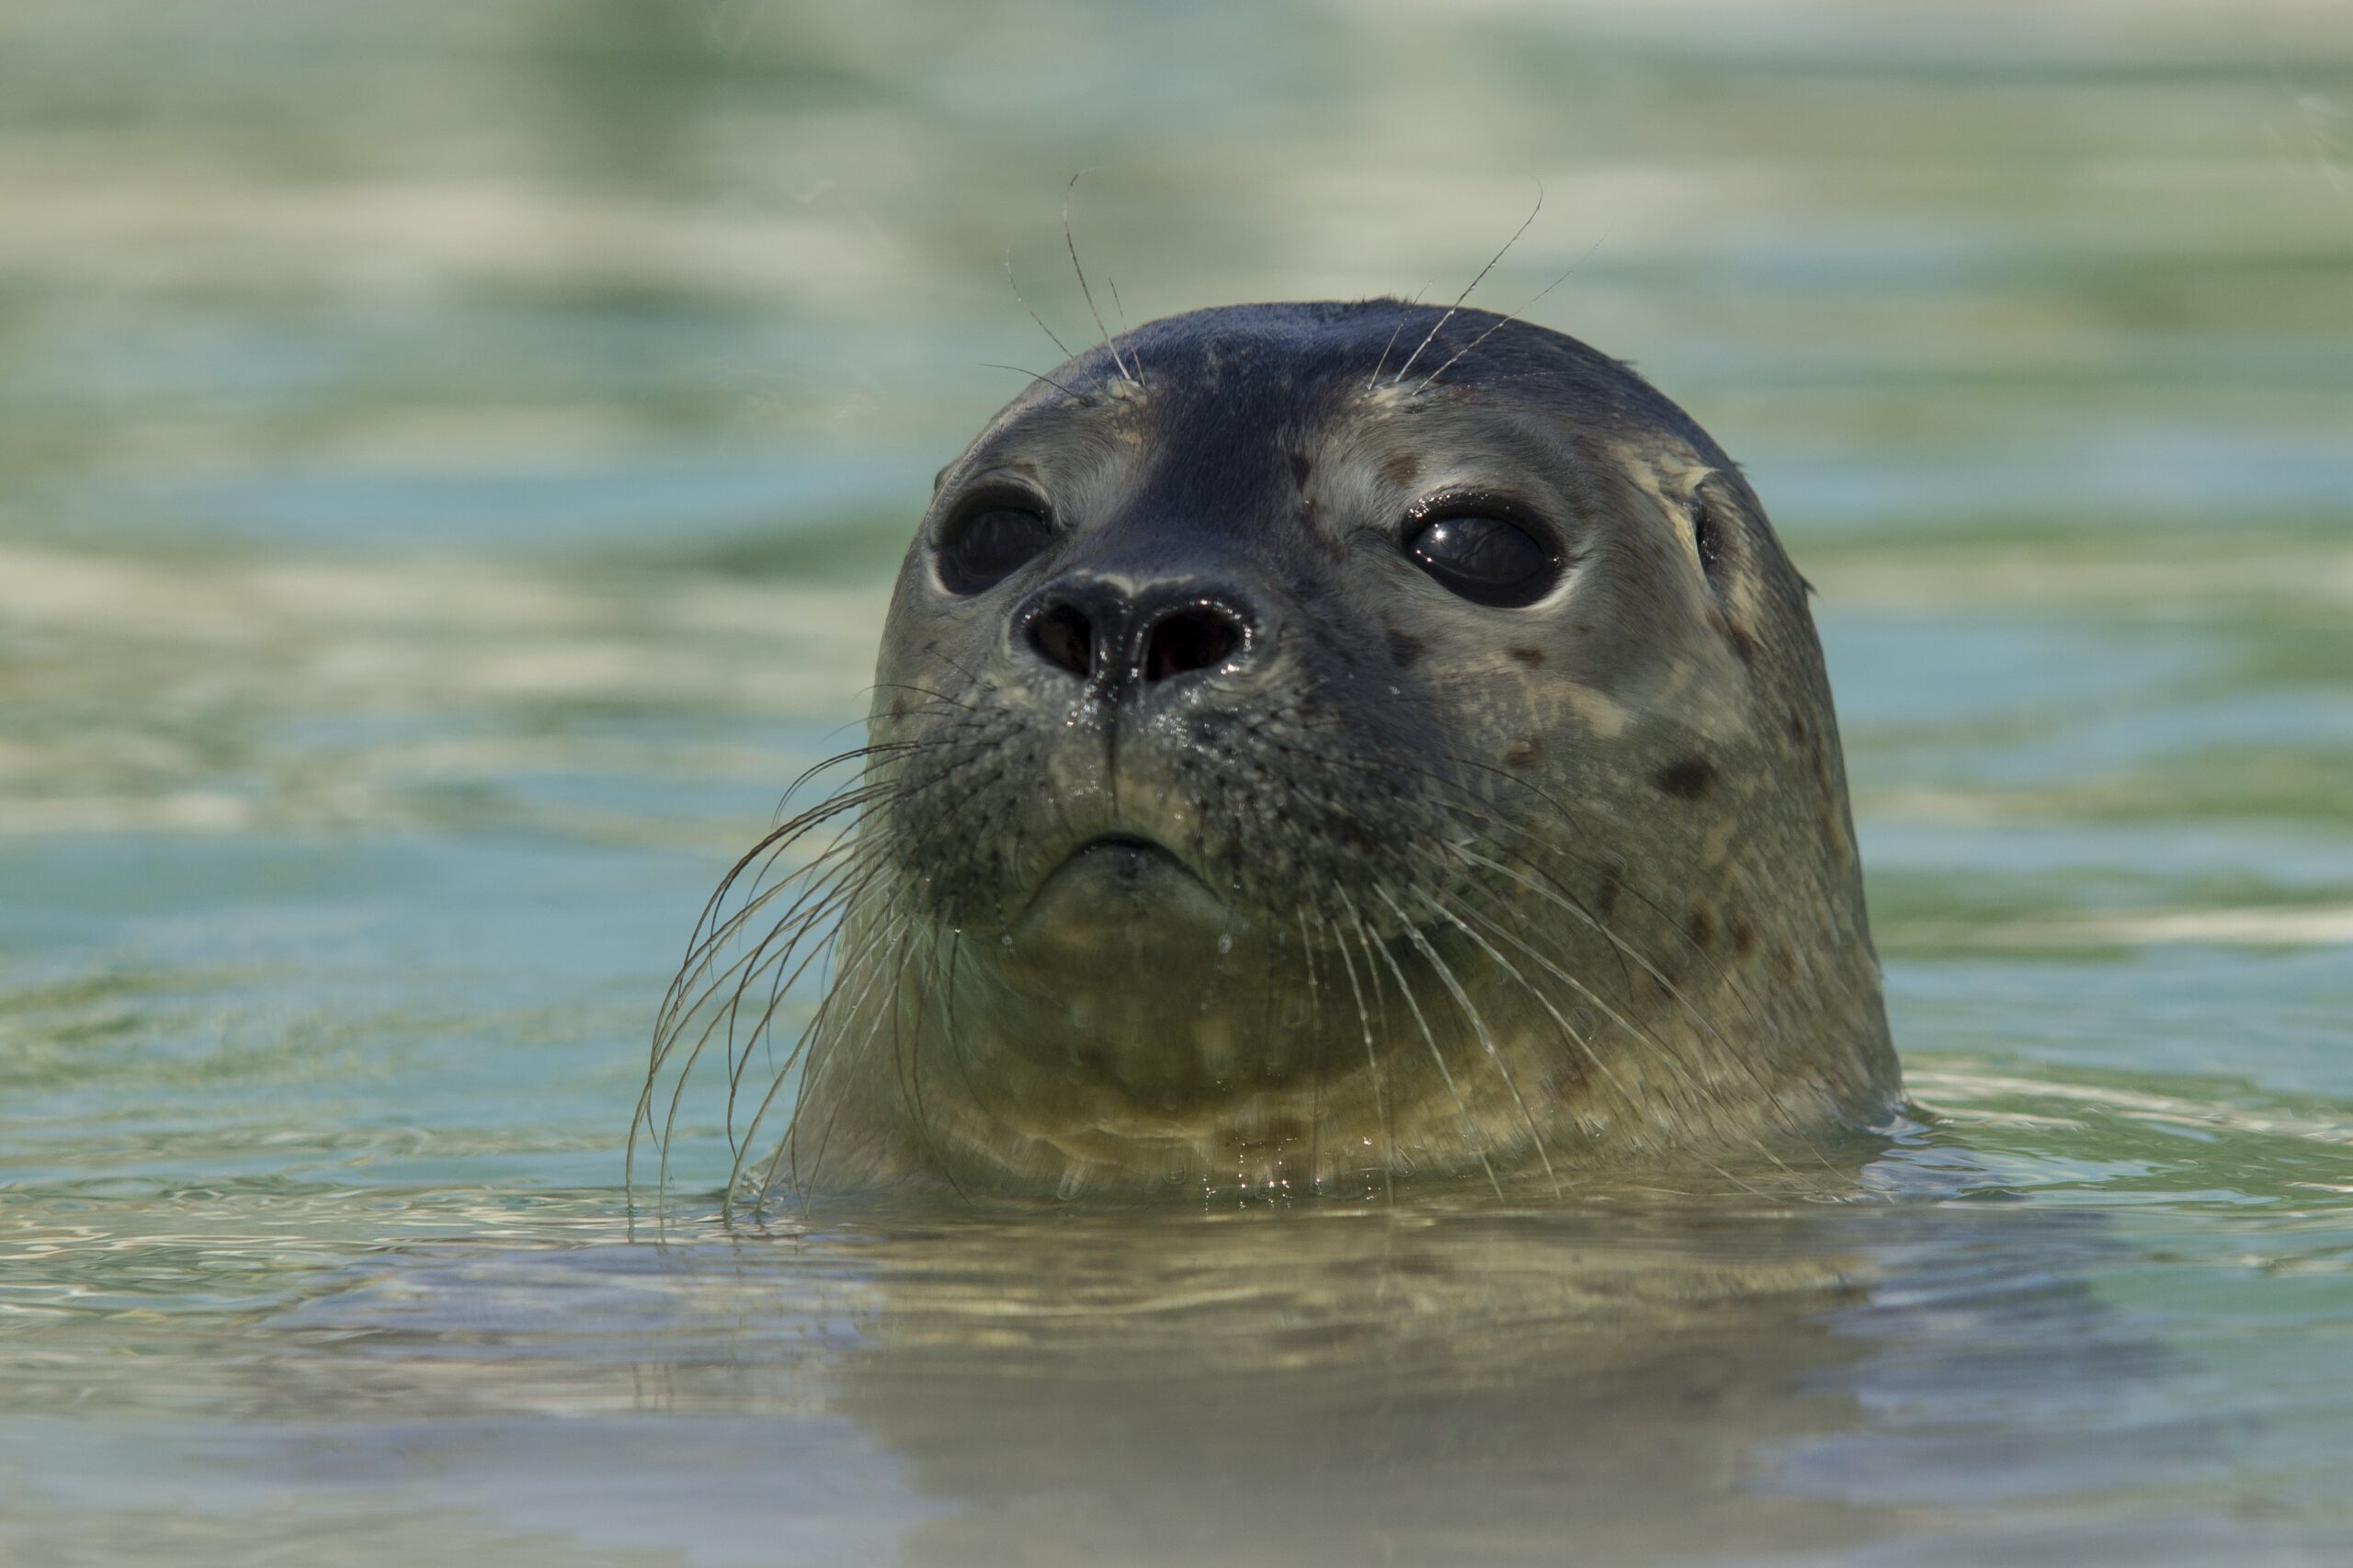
{"type": "Point", "coordinates": [1651, 1378]}
{"type": "Point", "coordinates": [450, 459]}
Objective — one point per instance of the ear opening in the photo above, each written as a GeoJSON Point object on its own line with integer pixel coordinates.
{"type": "Point", "coordinates": [1707, 537]}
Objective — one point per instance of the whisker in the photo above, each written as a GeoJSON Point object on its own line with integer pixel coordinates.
{"type": "Point", "coordinates": [1553, 847]}
{"type": "Point", "coordinates": [820, 889]}
{"type": "Point", "coordinates": [811, 1034]}
{"type": "Point", "coordinates": [1109, 341]}
{"type": "Point", "coordinates": [1315, 1029]}
{"type": "Point", "coordinates": [1120, 311]}
{"type": "Point", "coordinates": [1700, 1020]}
{"type": "Point", "coordinates": [1404, 989]}
{"type": "Point", "coordinates": [1506, 320]}
{"type": "Point", "coordinates": [1037, 376]}
{"type": "Point", "coordinates": [1033, 315]}
{"type": "Point", "coordinates": [1374, 380]}
{"type": "Point", "coordinates": [788, 1146]}
{"type": "Point", "coordinates": [1566, 1026]}
{"type": "Point", "coordinates": [1478, 1029]}
{"type": "Point", "coordinates": [1440, 325]}
{"type": "Point", "coordinates": [1373, 1062]}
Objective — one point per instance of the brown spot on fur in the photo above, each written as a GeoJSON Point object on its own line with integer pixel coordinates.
{"type": "Point", "coordinates": [1568, 1081]}
{"type": "Point", "coordinates": [1400, 469]}
{"type": "Point", "coordinates": [1744, 937]}
{"type": "Point", "coordinates": [1532, 657]}
{"type": "Point", "coordinates": [1690, 779]}
{"type": "Point", "coordinates": [1699, 924]}
{"type": "Point", "coordinates": [1785, 961]}
{"type": "Point", "coordinates": [1404, 650]}
{"type": "Point", "coordinates": [1524, 752]}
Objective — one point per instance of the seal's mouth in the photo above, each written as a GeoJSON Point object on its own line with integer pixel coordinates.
{"type": "Point", "coordinates": [1120, 881]}
{"type": "Point", "coordinates": [1125, 865]}
{"type": "Point", "coordinates": [1126, 857]}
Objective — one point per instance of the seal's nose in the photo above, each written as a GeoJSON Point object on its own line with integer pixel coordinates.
{"type": "Point", "coordinates": [1121, 638]}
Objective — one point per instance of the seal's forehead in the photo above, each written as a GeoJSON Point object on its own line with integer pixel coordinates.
{"type": "Point", "coordinates": [1310, 342]}
{"type": "Point", "coordinates": [1368, 343]}
{"type": "Point", "coordinates": [1239, 388]}
{"type": "Point", "coordinates": [1331, 356]}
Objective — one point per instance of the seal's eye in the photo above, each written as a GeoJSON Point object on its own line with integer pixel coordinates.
{"type": "Point", "coordinates": [989, 543]}
{"type": "Point", "coordinates": [1489, 561]}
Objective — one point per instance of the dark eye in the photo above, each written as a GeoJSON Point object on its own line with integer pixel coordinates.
{"type": "Point", "coordinates": [1489, 561]}
{"type": "Point", "coordinates": [988, 544]}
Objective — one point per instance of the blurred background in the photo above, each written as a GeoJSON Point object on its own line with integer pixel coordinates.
{"type": "Point", "coordinates": [452, 455]}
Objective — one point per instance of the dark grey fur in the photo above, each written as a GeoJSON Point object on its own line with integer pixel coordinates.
{"type": "Point", "coordinates": [1447, 886]}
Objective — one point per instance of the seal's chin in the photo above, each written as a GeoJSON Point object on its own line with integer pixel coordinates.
{"type": "Point", "coordinates": [1127, 972]}
{"type": "Point", "coordinates": [1117, 887]}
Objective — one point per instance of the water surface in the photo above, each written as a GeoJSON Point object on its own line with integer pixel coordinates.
{"type": "Point", "coordinates": [450, 460]}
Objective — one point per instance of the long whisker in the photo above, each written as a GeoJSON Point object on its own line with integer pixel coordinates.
{"type": "Point", "coordinates": [811, 1034]}
{"type": "Point", "coordinates": [1439, 325]}
{"type": "Point", "coordinates": [1552, 846]}
{"type": "Point", "coordinates": [1538, 881]}
{"type": "Point", "coordinates": [1373, 1061]}
{"type": "Point", "coordinates": [1374, 380]}
{"type": "Point", "coordinates": [909, 1063]}
{"type": "Point", "coordinates": [822, 917]}
{"type": "Point", "coordinates": [666, 1033]}
{"type": "Point", "coordinates": [825, 882]}
{"type": "Point", "coordinates": [820, 889]}
{"type": "Point", "coordinates": [1727, 1052]}
{"type": "Point", "coordinates": [1478, 1029]}
{"type": "Point", "coordinates": [1567, 1029]}
{"type": "Point", "coordinates": [1505, 320]}
{"type": "Point", "coordinates": [1025, 305]}
{"type": "Point", "coordinates": [788, 1146]}
{"type": "Point", "coordinates": [1120, 311]}
{"type": "Point", "coordinates": [1038, 376]}
{"type": "Point", "coordinates": [1405, 989]}
{"type": "Point", "coordinates": [1315, 1031]}
{"type": "Point", "coordinates": [1109, 342]}
{"type": "Point", "coordinates": [1625, 951]}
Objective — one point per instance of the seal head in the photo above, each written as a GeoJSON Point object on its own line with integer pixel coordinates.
{"type": "Point", "coordinates": [1314, 742]}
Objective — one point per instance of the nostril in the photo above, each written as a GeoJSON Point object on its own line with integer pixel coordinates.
{"type": "Point", "coordinates": [1065, 639]}
{"type": "Point", "coordinates": [1199, 637]}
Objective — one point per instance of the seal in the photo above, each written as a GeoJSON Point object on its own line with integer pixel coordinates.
{"type": "Point", "coordinates": [1312, 744]}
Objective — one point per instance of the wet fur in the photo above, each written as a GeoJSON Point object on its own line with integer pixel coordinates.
{"type": "Point", "coordinates": [1506, 890]}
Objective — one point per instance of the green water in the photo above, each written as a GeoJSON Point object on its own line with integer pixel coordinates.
{"type": "Point", "coordinates": [450, 459]}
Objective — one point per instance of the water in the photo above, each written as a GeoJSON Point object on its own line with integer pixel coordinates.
{"type": "Point", "coordinates": [450, 459]}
